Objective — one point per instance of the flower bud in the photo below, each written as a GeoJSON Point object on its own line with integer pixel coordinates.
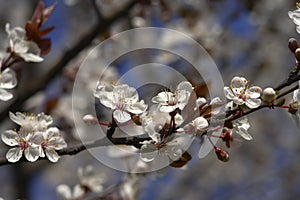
{"type": "Point", "coordinates": [227, 136]}
{"type": "Point", "coordinates": [222, 154]}
{"type": "Point", "coordinates": [90, 119]}
{"type": "Point", "coordinates": [293, 107]}
{"type": "Point", "coordinates": [297, 54]}
{"type": "Point", "coordinates": [269, 95]}
{"type": "Point", "coordinates": [293, 44]}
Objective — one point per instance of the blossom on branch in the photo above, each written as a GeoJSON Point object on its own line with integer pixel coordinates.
{"type": "Point", "coordinates": [34, 138]}
{"type": "Point", "coordinates": [122, 99]}
{"type": "Point", "coordinates": [8, 80]}
{"type": "Point", "coordinates": [169, 101]}
{"type": "Point", "coordinates": [21, 47]}
{"type": "Point", "coordinates": [241, 93]}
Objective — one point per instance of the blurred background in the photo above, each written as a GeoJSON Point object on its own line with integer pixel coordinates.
{"type": "Point", "coordinates": [244, 38]}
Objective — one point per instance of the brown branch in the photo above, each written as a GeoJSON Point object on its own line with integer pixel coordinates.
{"type": "Point", "coordinates": [73, 150]}
{"type": "Point", "coordinates": [84, 42]}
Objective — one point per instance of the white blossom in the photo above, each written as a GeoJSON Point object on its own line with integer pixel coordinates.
{"type": "Point", "coordinates": [31, 122]}
{"type": "Point", "coordinates": [8, 80]}
{"type": "Point", "coordinates": [27, 50]}
{"type": "Point", "coordinates": [35, 138]}
{"type": "Point", "coordinates": [89, 181]}
{"type": "Point", "coordinates": [64, 192]}
{"type": "Point", "coordinates": [122, 99]}
{"type": "Point", "coordinates": [240, 92]}
{"type": "Point", "coordinates": [22, 141]}
{"type": "Point", "coordinates": [197, 127]}
{"type": "Point", "coordinates": [52, 140]}
{"type": "Point", "coordinates": [241, 127]}
{"type": "Point", "coordinates": [163, 146]}
{"type": "Point", "coordinates": [169, 101]}
{"type": "Point", "coordinates": [295, 16]}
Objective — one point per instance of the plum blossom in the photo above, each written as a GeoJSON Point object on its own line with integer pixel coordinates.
{"type": "Point", "coordinates": [197, 127]}
{"type": "Point", "coordinates": [8, 80]}
{"type": "Point", "coordinates": [241, 127]}
{"type": "Point", "coordinates": [163, 145]}
{"type": "Point", "coordinates": [22, 141]}
{"type": "Point", "coordinates": [52, 140]}
{"type": "Point", "coordinates": [240, 92]}
{"type": "Point", "coordinates": [34, 138]}
{"type": "Point", "coordinates": [169, 101]}
{"type": "Point", "coordinates": [31, 122]}
{"type": "Point", "coordinates": [295, 16]}
{"type": "Point", "coordinates": [27, 50]}
{"type": "Point", "coordinates": [89, 181]}
{"type": "Point", "coordinates": [122, 99]}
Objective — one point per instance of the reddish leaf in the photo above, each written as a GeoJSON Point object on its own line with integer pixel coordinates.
{"type": "Point", "coordinates": [32, 32]}
{"type": "Point", "coordinates": [38, 14]}
{"type": "Point", "coordinates": [47, 12]}
{"type": "Point", "coordinates": [45, 46]}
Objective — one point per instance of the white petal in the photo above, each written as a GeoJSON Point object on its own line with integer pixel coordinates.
{"type": "Point", "coordinates": [238, 82]}
{"type": "Point", "coordinates": [4, 95]}
{"type": "Point", "coordinates": [10, 138]}
{"type": "Point", "coordinates": [78, 192]}
{"type": "Point", "coordinates": [8, 79]}
{"type": "Point", "coordinates": [253, 103]}
{"type": "Point", "coordinates": [148, 152]}
{"type": "Point", "coordinates": [162, 97]}
{"type": "Point", "coordinates": [37, 138]}
{"type": "Point", "coordinates": [121, 116]}
{"type": "Point", "coordinates": [201, 101]}
{"type": "Point", "coordinates": [14, 154]}
{"type": "Point", "coordinates": [254, 92]}
{"type": "Point", "coordinates": [185, 85]}
{"type": "Point", "coordinates": [18, 118]}
{"type": "Point", "coordinates": [63, 192]}
{"type": "Point", "coordinates": [137, 108]}
{"type": "Point", "coordinates": [167, 109]}
{"type": "Point", "coordinates": [29, 57]}
{"type": "Point", "coordinates": [228, 93]}
{"type": "Point", "coordinates": [52, 155]}
{"type": "Point", "coordinates": [32, 153]}
{"type": "Point", "coordinates": [244, 133]}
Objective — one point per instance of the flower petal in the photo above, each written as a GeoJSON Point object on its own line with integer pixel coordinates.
{"type": "Point", "coordinates": [52, 155]}
{"type": "Point", "coordinates": [121, 116]}
{"type": "Point", "coordinates": [10, 138]}
{"type": "Point", "coordinates": [5, 96]}
{"type": "Point", "coordinates": [228, 93]}
{"type": "Point", "coordinates": [253, 103]}
{"type": "Point", "coordinates": [8, 79]}
{"type": "Point", "coordinates": [32, 153]}
{"type": "Point", "coordinates": [14, 154]}
{"type": "Point", "coordinates": [254, 92]}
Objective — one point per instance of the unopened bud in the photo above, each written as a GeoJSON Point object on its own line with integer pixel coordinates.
{"type": "Point", "coordinates": [222, 154]}
{"type": "Point", "coordinates": [293, 44]}
{"type": "Point", "coordinates": [293, 107]}
{"type": "Point", "coordinates": [90, 119]}
{"type": "Point", "coordinates": [297, 54]}
{"type": "Point", "coordinates": [227, 136]}
{"type": "Point", "coordinates": [269, 95]}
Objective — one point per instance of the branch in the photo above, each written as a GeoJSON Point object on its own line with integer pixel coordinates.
{"type": "Point", "coordinates": [73, 150]}
{"type": "Point", "coordinates": [84, 42]}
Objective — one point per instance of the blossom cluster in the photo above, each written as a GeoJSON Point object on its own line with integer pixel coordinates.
{"type": "Point", "coordinates": [178, 117]}
{"type": "Point", "coordinates": [34, 138]}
